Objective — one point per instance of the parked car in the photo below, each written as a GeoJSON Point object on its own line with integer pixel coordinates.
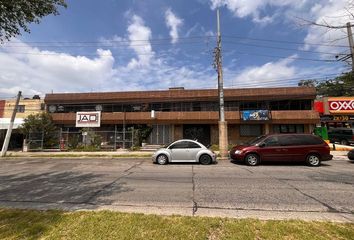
{"type": "Point", "coordinates": [184, 150]}
{"type": "Point", "coordinates": [283, 147]}
{"type": "Point", "coordinates": [344, 136]}
{"type": "Point", "coordinates": [351, 154]}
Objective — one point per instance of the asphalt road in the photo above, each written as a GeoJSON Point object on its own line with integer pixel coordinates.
{"type": "Point", "coordinates": [272, 191]}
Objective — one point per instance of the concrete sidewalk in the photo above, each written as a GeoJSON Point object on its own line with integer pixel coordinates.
{"type": "Point", "coordinates": [111, 154]}
{"type": "Point", "coordinates": [120, 153]}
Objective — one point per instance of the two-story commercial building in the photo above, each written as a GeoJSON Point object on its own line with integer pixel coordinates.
{"type": "Point", "coordinates": [26, 107]}
{"type": "Point", "coordinates": [180, 113]}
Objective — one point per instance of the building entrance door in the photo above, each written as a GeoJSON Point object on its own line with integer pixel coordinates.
{"type": "Point", "coordinates": [160, 135]}
{"type": "Point", "coordinates": [199, 132]}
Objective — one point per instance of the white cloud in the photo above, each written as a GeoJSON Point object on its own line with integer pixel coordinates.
{"type": "Point", "coordinates": [139, 36]}
{"type": "Point", "coordinates": [269, 74]}
{"type": "Point", "coordinates": [38, 72]}
{"type": "Point", "coordinates": [333, 13]}
{"type": "Point", "coordinates": [173, 22]}
{"type": "Point", "coordinates": [255, 8]}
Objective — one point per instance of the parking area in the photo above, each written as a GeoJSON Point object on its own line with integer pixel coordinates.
{"type": "Point", "coordinates": [271, 191]}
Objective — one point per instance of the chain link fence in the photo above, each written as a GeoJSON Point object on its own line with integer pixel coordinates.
{"type": "Point", "coordinates": [80, 140]}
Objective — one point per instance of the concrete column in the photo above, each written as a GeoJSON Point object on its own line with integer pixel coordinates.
{"type": "Point", "coordinates": [266, 128]}
{"type": "Point", "coordinates": [311, 128]}
{"type": "Point", "coordinates": [223, 139]}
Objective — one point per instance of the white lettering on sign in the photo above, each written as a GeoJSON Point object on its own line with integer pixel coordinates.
{"type": "Point", "coordinates": [341, 105]}
{"type": "Point", "coordinates": [88, 119]}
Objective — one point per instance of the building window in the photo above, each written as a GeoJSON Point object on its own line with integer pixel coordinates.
{"type": "Point", "coordinates": [288, 128]}
{"type": "Point", "coordinates": [250, 130]}
{"type": "Point", "coordinates": [21, 108]}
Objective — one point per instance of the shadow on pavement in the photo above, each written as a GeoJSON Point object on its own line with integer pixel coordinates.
{"type": "Point", "coordinates": [56, 189]}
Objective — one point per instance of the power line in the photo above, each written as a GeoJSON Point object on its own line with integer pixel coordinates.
{"type": "Point", "coordinates": [280, 48]}
{"type": "Point", "coordinates": [286, 42]}
{"type": "Point", "coordinates": [283, 57]}
{"type": "Point", "coordinates": [169, 39]}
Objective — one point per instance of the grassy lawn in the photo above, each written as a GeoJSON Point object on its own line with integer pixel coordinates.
{"type": "Point", "coordinates": [31, 224]}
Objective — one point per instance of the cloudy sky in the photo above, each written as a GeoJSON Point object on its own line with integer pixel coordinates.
{"type": "Point", "coordinates": [121, 45]}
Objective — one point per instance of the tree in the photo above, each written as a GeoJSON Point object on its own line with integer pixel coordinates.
{"type": "Point", "coordinates": [42, 125]}
{"type": "Point", "coordinates": [17, 14]}
{"type": "Point", "coordinates": [141, 133]}
{"type": "Point", "coordinates": [340, 86]}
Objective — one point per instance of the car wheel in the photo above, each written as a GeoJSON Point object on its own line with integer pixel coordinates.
{"type": "Point", "coordinates": [313, 160]}
{"type": "Point", "coordinates": [252, 159]}
{"type": "Point", "coordinates": [162, 159]}
{"type": "Point", "coordinates": [344, 142]}
{"type": "Point", "coordinates": [205, 159]}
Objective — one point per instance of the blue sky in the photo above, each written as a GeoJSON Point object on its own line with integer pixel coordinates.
{"type": "Point", "coordinates": [123, 45]}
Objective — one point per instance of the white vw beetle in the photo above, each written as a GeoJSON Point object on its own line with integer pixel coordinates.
{"type": "Point", "coordinates": [184, 150]}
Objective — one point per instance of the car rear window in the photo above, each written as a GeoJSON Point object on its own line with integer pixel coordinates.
{"type": "Point", "coordinates": [294, 140]}
{"type": "Point", "coordinates": [309, 140]}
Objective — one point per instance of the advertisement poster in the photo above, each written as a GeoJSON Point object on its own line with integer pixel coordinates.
{"type": "Point", "coordinates": [255, 115]}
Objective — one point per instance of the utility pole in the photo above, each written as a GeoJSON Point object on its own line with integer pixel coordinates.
{"type": "Point", "coordinates": [9, 130]}
{"type": "Point", "coordinates": [351, 45]}
{"type": "Point", "coordinates": [223, 138]}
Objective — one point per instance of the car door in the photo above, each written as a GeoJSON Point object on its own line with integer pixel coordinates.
{"type": "Point", "coordinates": [180, 152]}
{"type": "Point", "coordinates": [296, 146]}
{"type": "Point", "coordinates": [270, 149]}
{"type": "Point", "coordinates": [287, 147]}
{"type": "Point", "coordinates": [193, 150]}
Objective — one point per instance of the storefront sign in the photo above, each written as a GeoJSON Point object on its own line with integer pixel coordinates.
{"type": "Point", "coordinates": [341, 105]}
{"type": "Point", "coordinates": [337, 118]}
{"type": "Point", "coordinates": [255, 115]}
{"type": "Point", "coordinates": [88, 119]}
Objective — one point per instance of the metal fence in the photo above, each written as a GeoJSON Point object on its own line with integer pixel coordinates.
{"type": "Point", "coordinates": [80, 140]}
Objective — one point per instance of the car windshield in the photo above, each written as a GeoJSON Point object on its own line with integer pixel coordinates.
{"type": "Point", "coordinates": [168, 144]}
{"type": "Point", "coordinates": [256, 140]}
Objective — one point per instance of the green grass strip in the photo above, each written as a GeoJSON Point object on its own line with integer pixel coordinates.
{"type": "Point", "coordinates": [32, 224]}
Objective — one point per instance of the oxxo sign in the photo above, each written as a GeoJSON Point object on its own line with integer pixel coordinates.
{"type": "Point", "coordinates": [88, 119]}
{"type": "Point", "coordinates": [341, 105]}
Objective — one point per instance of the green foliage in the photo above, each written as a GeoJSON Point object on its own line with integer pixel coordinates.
{"type": "Point", "coordinates": [17, 14]}
{"type": "Point", "coordinates": [141, 133]}
{"type": "Point", "coordinates": [73, 141]}
{"type": "Point", "coordinates": [94, 139]}
{"type": "Point", "coordinates": [135, 148]}
{"type": "Point", "coordinates": [339, 86]}
{"type": "Point", "coordinates": [41, 124]}
{"type": "Point", "coordinates": [215, 147]}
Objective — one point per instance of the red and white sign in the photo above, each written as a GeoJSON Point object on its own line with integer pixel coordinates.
{"type": "Point", "coordinates": [88, 119]}
{"type": "Point", "coordinates": [341, 105]}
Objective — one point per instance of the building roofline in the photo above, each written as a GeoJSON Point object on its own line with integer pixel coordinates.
{"type": "Point", "coordinates": [183, 95]}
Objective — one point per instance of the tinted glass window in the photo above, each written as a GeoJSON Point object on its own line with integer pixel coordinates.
{"type": "Point", "coordinates": [256, 140]}
{"type": "Point", "coordinates": [311, 140]}
{"type": "Point", "coordinates": [271, 141]}
{"type": "Point", "coordinates": [287, 140]}
{"type": "Point", "coordinates": [193, 145]}
{"type": "Point", "coordinates": [250, 130]}
{"type": "Point", "coordinates": [179, 145]}
{"type": "Point", "coordinates": [348, 132]}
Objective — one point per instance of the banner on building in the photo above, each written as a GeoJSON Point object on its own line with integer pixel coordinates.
{"type": "Point", "coordinates": [255, 115]}
{"type": "Point", "coordinates": [88, 119]}
{"type": "Point", "coordinates": [341, 105]}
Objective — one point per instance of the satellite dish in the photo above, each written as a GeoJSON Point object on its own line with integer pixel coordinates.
{"type": "Point", "coordinates": [98, 108]}
{"type": "Point", "coordinates": [52, 108]}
